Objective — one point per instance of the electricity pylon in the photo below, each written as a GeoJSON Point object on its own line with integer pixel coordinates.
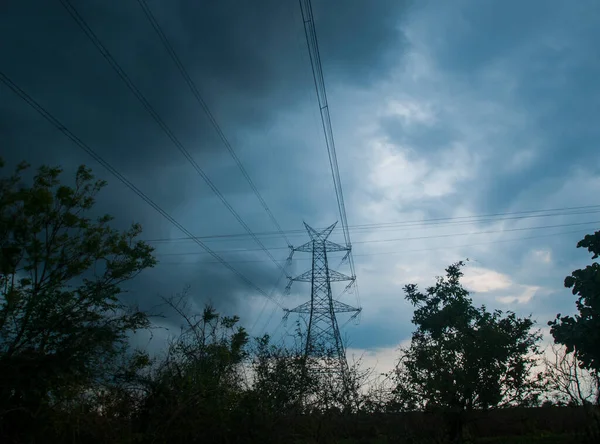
{"type": "Point", "coordinates": [323, 337]}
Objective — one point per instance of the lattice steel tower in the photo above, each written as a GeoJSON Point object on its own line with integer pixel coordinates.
{"type": "Point", "coordinates": [323, 332]}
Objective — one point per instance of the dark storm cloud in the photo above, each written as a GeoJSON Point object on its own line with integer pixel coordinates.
{"type": "Point", "coordinates": [203, 283]}
{"type": "Point", "coordinates": [244, 56]}
{"type": "Point", "coordinates": [246, 59]}
{"type": "Point", "coordinates": [207, 281]}
{"type": "Point", "coordinates": [249, 61]}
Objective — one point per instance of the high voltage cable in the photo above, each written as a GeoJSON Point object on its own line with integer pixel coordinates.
{"type": "Point", "coordinates": [403, 225]}
{"type": "Point", "coordinates": [265, 304]}
{"type": "Point", "coordinates": [489, 215]}
{"type": "Point", "coordinates": [204, 106]}
{"type": "Point", "coordinates": [269, 319]}
{"type": "Point", "coordinates": [317, 70]}
{"type": "Point", "coordinates": [50, 118]}
{"type": "Point", "coordinates": [472, 233]}
{"type": "Point", "coordinates": [123, 75]}
{"type": "Point", "coordinates": [386, 253]}
{"type": "Point", "coordinates": [400, 226]}
{"type": "Point", "coordinates": [475, 244]}
{"type": "Point", "coordinates": [167, 44]}
{"type": "Point", "coordinates": [251, 331]}
{"type": "Point", "coordinates": [478, 232]}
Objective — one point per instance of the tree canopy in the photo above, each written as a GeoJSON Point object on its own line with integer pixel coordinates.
{"type": "Point", "coordinates": [580, 334]}
{"type": "Point", "coordinates": [62, 322]}
{"type": "Point", "coordinates": [68, 372]}
{"type": "Point", "coordinates": [462, 357]}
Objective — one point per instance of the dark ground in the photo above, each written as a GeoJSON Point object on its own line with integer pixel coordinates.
{"type": "Point", "coordinates": [545, 425]}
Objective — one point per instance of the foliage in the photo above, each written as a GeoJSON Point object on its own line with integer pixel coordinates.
{"type": "Point", "coordinates": [62, 323]}
{"type": "Point", "coordinates": [462, 357]}
{"type": "Point", "coordinates": [279, 380]}
{"type": "Point", "coordinates": [68, 373]}
{"type": "Point", "coordinates": [197, 385]}
{"type": "Point", "coordinates": [566, 382]}
{"type": "Point", "coordinates": [580, 334]}
{"type": "Point", "coordinates": [286, 381]}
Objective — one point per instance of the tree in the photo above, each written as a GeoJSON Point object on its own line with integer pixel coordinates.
{"type": "Point", "coordinates": [295, 393]}
{"type": "Point", "coordinates": [580, 334]}
{"type": "Point", "coordinates": [196, 388]}
{"type": "Point", "coordinates": [566, 382]}
{"type": "Point", "coordinates": [279, 381]}
{"type": "Point", "coordinates": [62, 322]}
{"type": "Point", "coordinates": [462, 357]}
{"type": "Point", "coordinates": [290, 381]}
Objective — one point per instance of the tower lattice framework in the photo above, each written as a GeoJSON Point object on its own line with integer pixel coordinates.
{"type": "Point", "coordinates": [323, 332]}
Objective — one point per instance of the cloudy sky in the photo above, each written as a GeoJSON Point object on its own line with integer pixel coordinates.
{"type": "Point", "coordinates": [441, 110]}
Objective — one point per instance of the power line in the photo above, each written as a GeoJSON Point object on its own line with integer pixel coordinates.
{"type": "Point", "coordinates": [416, 238]}
{"type": "Point", "coordinates": [204, 106]}
{"type": "Point", "coordinates": [475, 244]}
{"type": "Point", "coordinates": [492, 215]}
{"type": "Point", "coordinates": [481, 232]}
{"type": "Point", "coordinates": [407, 225]}
{"type": "Point", "coordinates": [410, 238]}
{"type": "Point", "coordinates": [288, 262]}
{"type": "Point", "coordinates": [386, 253]}
{"type": "Point", "coordinates": [319, 81]}
{"type": "Point", "coordinates": [123, 75]}
{"type": "Point", "coordinates": [191, 84]}
{"type": "Point", "coordinates": [269, 319]}
{"type": "Point", "coordinates": [283, 294]}
{"type": "Point", "coordinates": [50, 118]}
{"type": "Point", "coordinates": [265, 303]}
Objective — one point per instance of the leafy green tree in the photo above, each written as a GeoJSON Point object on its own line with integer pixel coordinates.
{"type": "Point", "coordinates": [62, 323]}
{"type": "Point", "coordinates": [580, 334]}
{"type": "Point", "coordinates": [462, 357]}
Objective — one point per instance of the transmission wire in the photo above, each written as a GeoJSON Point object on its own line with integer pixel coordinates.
{"type": "Point", "coordinates": [117, 68]}
{"type": "Point", "coordinates": [167, 44]}
{"type": "Point", "coordinates": [412, 238]}
{"type": "Point", "coordinates": [50, 118]}
{"type": "Point", "coordinates": [407, 225]}
{"type": "Point", "coordinates": [383, 253]}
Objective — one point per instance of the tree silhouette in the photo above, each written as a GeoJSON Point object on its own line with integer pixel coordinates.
{"type": "Point", "coordinates": [461, 357]}
{"type": "Point", "coordinates": [580, 334]}
{"type": "Point", "coordinates": [62, 324]}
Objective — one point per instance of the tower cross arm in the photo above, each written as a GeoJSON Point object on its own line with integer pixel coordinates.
{"type": "Point", "coordinates": [302, 308]}
{"type": "Point", "coordinates": [306, 248]}
{"type": "Point", "coordinates": [336, 276]}
{"type": "Point", "coordinates": [332, 246]}
{"type": "Point", "coordinates": [340, 307]}
{"type": "Point", "coordinates": [304, 277]}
